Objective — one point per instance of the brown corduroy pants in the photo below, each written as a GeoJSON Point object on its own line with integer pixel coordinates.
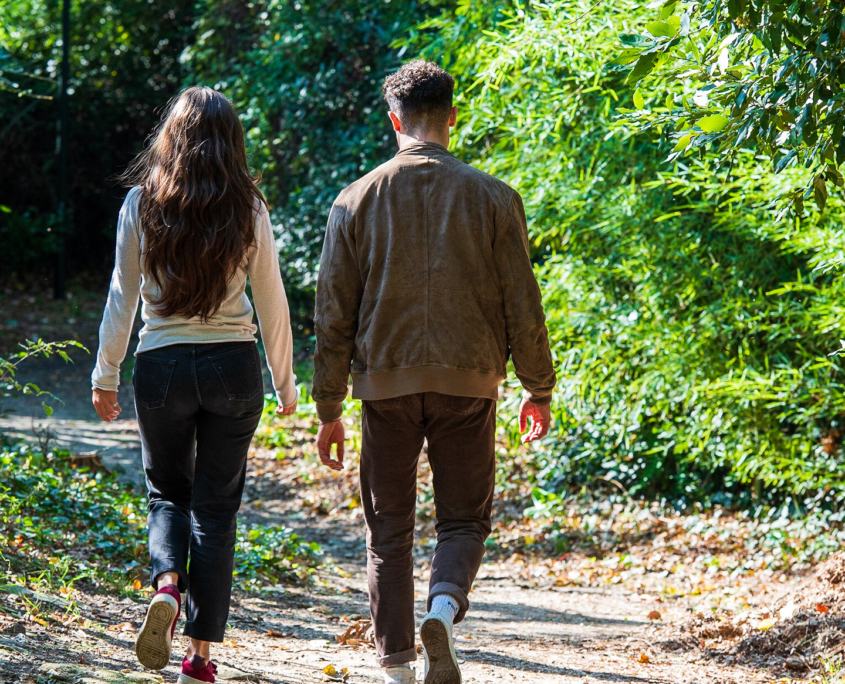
{"type": "Point", "coordinates": [461, 450]}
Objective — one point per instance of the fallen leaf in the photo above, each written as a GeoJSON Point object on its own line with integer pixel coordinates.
{"type": "Point", "coordinates": [768, 623]}
{"type": "Point", "coordinates": [788, 611]}
{"type": "Point", "coordinates": [654, 615]}
{"type": "Point", "coordinates": [137, 584]}
{"type": "Point", "coordinates": [643, 658]}
{"type": "Point", "coordinates": [822, 608]}
{"type": "Point", "coordinates": [273, 633]}
{"type": "Point", "coordinates": [122, 627]}
{"type": "Point", "coordinates": [334, 675]}
{"type": "Point", "coordinates": [359, 633]}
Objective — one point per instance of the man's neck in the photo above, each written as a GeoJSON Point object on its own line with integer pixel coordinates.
{"type": "Point", "coordinates": [404, 139]}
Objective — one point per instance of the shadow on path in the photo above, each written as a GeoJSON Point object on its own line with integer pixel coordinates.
{"type": "Point", "coordinates": [488, 658]}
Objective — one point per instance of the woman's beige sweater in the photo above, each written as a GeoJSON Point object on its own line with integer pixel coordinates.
{"type": "Point", "coordinates": [231, 323]}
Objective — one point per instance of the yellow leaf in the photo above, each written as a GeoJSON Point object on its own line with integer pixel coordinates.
{"type": "Point", "coordinates": [330, 670]}
{"type": "Point", "coordinates": [768, 623]}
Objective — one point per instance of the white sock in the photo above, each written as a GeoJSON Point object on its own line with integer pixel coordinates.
{"type": "Point", "coordinates": [445, 603]}
{"type": "Point", "coordinates": [399, 674]}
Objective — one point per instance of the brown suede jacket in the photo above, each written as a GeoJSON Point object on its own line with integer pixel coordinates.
{"type": "Point", "coordinates": [425, 285]}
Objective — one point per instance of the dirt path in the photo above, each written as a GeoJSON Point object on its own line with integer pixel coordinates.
{"type": "Point", "coordinates": [521, 628]}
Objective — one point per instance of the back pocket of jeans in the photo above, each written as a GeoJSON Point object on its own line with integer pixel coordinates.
{"type": "Point", "coordinates": [239, 372]}
{"type": "Point", "coordinates": [151, 380]}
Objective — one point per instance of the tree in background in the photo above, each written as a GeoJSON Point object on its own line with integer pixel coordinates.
{"type": "Point", "coordinates": [124, 65]}
{"type": "Point", "coordinates": [765, 74]}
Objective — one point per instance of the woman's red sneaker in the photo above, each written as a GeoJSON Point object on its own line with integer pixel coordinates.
{"type": "Point", "coordinates": [197, 670]}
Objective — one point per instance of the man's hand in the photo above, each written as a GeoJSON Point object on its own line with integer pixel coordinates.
{"type": "Point", "coordinates": [105, 404]}
{"type": "Point", "coordinates": [541, 419]}
{"type": "Point", "coordinates": [328, 434]}
{"type": "Point", "coordinates": [286, 410]}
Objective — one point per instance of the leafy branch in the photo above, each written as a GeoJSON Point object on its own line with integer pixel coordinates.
{"type": "Point", "coordinates": [12, 388]}
{"type": "Point", "coordinates": [759, 74]}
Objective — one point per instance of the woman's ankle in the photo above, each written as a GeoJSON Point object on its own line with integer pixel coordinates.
{"type": "Point", "coordinates": [166, 579]}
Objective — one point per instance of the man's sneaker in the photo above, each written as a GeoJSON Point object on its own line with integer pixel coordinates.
{"type": "Point", "coordinates": [399, 674]}
{"type": "Point", "coordinates": [197, 670]}
{"type": "Point", "coordinates": [441, 663]}
{"type": "Point", "coordinates": [155, 638]}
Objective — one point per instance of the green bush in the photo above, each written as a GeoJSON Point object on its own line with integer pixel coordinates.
{"type": "Point", "coordinates": [60, 524]}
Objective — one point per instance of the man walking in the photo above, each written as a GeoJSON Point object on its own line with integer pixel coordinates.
{"type": "Point", "coordinates": [425, 290]}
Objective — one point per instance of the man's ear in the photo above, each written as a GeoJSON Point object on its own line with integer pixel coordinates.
{"type": "Point", "coordinates": [453, 117]}
{"type": "Point", "coordinates": [397, 125]}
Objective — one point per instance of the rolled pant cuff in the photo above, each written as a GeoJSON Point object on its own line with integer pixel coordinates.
{"type": "Point", "coordinates": [455, 592]}
{"type": "Point", "coordinates": [205, 632]}
{"type": "Point", "coordinates": [408, 656]}
{"type": "Point", "coordinates": [161, 567]}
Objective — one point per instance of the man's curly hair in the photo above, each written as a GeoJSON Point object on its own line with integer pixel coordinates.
{"type": "Point", "coordinates": [420, 94]}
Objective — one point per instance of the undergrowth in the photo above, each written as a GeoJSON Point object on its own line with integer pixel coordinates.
{"type": "Point", "coordinates": [61, 524]}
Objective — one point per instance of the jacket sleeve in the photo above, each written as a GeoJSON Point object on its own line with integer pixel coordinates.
{"type": "Point", "coordinates": [271, 305]}
{"type": "Point", "coordinates": [339, 292]}
{"type": "Point", "coordinates": [122, 302]}
{"type": "Point", "coordinates": [528, 338]}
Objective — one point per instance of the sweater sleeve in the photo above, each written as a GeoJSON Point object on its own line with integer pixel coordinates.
{"type": "Point", "coordinates": [271, 305]}
{"type": "Point", "coordinates": [528, 338]}
{"type": "Point", "coordinates": [122, 302]}
{"type": "Point", "coordinates": [339, 292]}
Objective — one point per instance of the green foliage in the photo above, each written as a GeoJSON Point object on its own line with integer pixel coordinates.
{"type": "Point", "coordinates": [691, 327]}
{"type": "Point", "coordinates": [124, 65]}
{"type": "Point", "coordinates": [60, 524]}
{"type": "Point", "coordinates": [10, 385]}
{"type": "Point", "coordinates": [53, 515]}
{"type": "Point", "coordinates": [728, 75]}
{"type": "Point", "coordinates": [274, 554]}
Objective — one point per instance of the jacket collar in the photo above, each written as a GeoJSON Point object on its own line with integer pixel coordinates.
{"type": "Point", "coordinates": [424, 149]}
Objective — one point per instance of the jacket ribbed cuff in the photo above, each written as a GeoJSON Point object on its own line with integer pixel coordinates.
{"type": "Point", "coordinates": [329, 412]}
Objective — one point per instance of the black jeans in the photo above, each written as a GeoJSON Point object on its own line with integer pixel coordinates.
{"type": "Point", "coordinates": [461, 451]}
{"type": "Point", "coordinates": [198, 406]}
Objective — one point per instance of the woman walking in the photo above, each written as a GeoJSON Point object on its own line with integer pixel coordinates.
{"type": "Point", "coordinates": [193, 228]}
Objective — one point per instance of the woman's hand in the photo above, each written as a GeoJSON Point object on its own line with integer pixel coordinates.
{"type": "Point", "coordinates": [105, 403]}
{"type": "Point", "coordinates": [286, 410]}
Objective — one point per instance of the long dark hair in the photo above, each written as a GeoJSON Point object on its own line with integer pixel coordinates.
{"type": "Point", "coordinates": [198, 203]}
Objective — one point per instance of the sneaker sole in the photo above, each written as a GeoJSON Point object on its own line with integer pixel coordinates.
{"type": "Point", "coordinates": [442, 661]}
{"type": "Point", "coordinates": [154, 641]}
